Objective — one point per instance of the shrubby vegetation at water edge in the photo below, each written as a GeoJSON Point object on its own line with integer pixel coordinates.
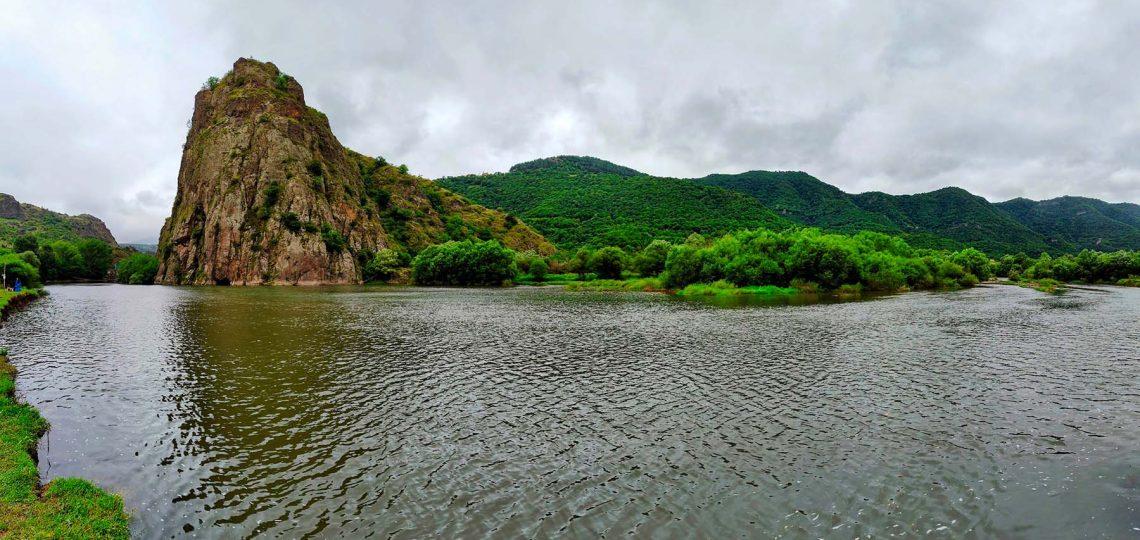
{"type": "Point", "coordinates": [470, 262]}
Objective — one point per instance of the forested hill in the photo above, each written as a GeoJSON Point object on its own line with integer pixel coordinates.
{"type": "Point", "coordinates": [19, 219]}
{"type": "Point", "coordinates": [947, 218]}
{"type": "Point", "coordinates": [577, 201]}
{"type": "Point", "coordinates": [953, 218]}
{"type": "Point", "coordinates": [1079, 222]}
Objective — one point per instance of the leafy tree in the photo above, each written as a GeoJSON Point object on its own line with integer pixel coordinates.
{"type": "Point", "coordinates": [137, 269]}
{"type": "Point", "coordinates": [470, 262]}
{"type": "Point", "coordinates": [383, 266]}
{"type": "Point", "coordinates": [608, 262]}
{"type": "Point", "coordinates": [24, 243]}
{"type": "Point", "coordinates": [650, 261]}
{"type": "Point", "coordinates": [539, 269]}
{"type": "Point", "coordinates": [96, 256]}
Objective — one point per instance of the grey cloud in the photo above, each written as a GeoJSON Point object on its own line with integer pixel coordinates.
{"type": "Point", "coordinates": [1002, 98]}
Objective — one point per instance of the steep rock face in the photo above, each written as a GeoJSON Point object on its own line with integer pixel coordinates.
{"type": "Point", "coordinates": [266, 194]}
{"type": "Point", "coordinates": [18, 218]}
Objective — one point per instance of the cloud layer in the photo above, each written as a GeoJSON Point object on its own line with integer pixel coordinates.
{"type": "Point", "coordinates": [1005, 99]}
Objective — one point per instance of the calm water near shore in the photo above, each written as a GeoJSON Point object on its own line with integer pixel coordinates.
{"type": "Point", "coordinates": [228, 412]}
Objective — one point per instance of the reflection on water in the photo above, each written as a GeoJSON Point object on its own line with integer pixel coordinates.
{"type": "Point", "coordinates": [533, 412]}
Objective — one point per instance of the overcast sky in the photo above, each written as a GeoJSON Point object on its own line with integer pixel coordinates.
{"type": "Point", "coordinates": [1005, 99]}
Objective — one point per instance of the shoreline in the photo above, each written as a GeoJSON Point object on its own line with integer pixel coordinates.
{"type": "Point", "coordinates": [65, 507]}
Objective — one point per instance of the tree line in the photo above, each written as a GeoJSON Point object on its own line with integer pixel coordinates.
{"type": "Point", "coordinates": [34, 261]}
{"type": "Point", "coordinates": [807, 259]}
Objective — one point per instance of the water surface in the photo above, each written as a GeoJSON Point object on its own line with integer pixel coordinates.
{"type": "Point", "coordinates": [292, 412]}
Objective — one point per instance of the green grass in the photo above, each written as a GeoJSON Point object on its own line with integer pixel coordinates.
{"type": "Point", "coordinates": [1045, 285]}
{"type": "Point", "coordinates": [550, 279]}
{"type": "Point", "coordinates": [6, 297]}
{"type": "Point", "coordinates": [619, 285]}
{"type": "Point", "coordinates": [65, 508]}
{"type": "Point", "coordinates": [1129, 282]}
{"type": "Point", "coordinates": [724, 288]}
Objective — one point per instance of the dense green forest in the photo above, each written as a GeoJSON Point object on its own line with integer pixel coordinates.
{"type": "Point", "coordinates": [578, 202]}
{"type": "Point", "coordinates": [950, 218]}
{"type": "Point", "coordinates": [1080, 222]}
{"type": "Point", "coordinates": [584, 201]}
{"type": "Point", "coordinates": [35, 261]}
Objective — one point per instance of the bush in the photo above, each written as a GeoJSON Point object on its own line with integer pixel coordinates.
{"type": "Point", "coordinates": [465, 263]}
{"type": "Point", "coordinates": [651, 260]}
{"type": "Point", "coordinates": [25, 243]}
{"type": "Point", "coordinates": [608, 263]}
{"type": "Point", "coordinates": [291, 222]}
{"type": "Point", "coordinates": [96, 258]}
{"type": "Point", "coordinates": [539, 269]}
{"type": "Point", "coordinates": [211, 83]}
{"type": "Point", "coordinates": [137, 269]}
{"type": "Point", "coordinates": [281, 82]}
{"type": "Point", "coordinates": [335, 242]}
{"type": "Point", "coordinates": [383, 266]}
{"type": "Point", "coordinates": [18, 268]}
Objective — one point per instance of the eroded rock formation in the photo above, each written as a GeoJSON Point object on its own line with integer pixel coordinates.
{"type": "Point", "coordinates": [266, 194]}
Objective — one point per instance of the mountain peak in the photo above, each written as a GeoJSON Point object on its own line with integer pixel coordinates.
{"type": "Point", "coordinates": [582, 163]}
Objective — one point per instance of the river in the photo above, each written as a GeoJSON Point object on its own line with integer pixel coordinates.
{"type": "Point", "coordinates": [390, 412]}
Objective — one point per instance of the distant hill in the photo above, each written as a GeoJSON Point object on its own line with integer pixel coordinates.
{"type": "Point", "coordinates": [1079, 222]}
{"type": "Point", "coordinates": [803, 198]}
{"type": "Point", "coordinates": [576, 201]}
{"type": "Point", "coordinates": [18, 219]}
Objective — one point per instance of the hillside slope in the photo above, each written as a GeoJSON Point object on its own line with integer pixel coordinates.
{"type": "Point", "coordinates": [803, 198]}
{"type": "Point", "coordinates": [267, 194]}
{"type": "Point", "coordinates": [577, 201]}
{"type": "Point", "coordinates": [1079, 222]}
{"type": "Point", "coordinates": [18, 219]}
{"type": "Point", "coordinates": [952, 218]}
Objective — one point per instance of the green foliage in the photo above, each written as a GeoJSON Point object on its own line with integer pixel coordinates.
{"type": "Point", "coordinates": [314, 168]}
{"type": "Point", "coordinates": [137, 269]}
{"type": "Point", "coordinates": [335, 242]}
{"type": "Point", "coordinates": [17, 268]}
{"type": "Point", "coordinates": [608, 262]}
{"type": "Point", "coordinates": [1073, 223]}
{"type": "Point", "coordinates": [651, 260]}
{"type": "Point", "coordinates": [281, 82]}
{"type": "Point", "coordinates": [465, 263]}
{"type": "Point", "coordinates": [538, 270]}
{"type": "Point", "coordinates": [96, 256]}
{"type": "Point", "coordinates": [211, 83]}
{"type": "Point", "coordinates": [403, 169]}
{"type": "Point", "coordinates": [584, 202]}
{"type": "Point", "coordinates": [24, 243]}
{"type": "Point", "coordinates": [866, 261]}
{"type": "Point", "coordinates": [291, 222]}
{"type": "Point", "coordinates": [383, 266]}
{"type": "Point", "coordinates": [1087, 266]}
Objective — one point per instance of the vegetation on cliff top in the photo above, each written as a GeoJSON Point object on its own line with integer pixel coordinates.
{"type": "Point", "coordinates": [264, 177]}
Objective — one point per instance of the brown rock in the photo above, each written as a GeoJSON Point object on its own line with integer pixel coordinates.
{"type": "Point", "coordinates": [266, 194]}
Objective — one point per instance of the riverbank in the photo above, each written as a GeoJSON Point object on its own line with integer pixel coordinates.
{"type": "Point", "coordinates": [66, 507]}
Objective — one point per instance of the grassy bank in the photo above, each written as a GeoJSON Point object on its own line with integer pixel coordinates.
{"type": "Point", "coordinates": [724, 288]}
{"type": "Point", "coordinates": [639, 284]}
{"type": "Point", "coordinates": [65, 508]}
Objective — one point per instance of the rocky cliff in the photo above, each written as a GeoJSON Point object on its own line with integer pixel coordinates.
{"type": "Point", "coordinates": [18, 218]}
{"type": "Point", "coordinates": [266, 194]}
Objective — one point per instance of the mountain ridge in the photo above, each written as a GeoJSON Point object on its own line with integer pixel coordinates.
{"type": "Point", "coordinates": [945, 218]}
{"type": "Point", "coordinates": [17, 218]}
